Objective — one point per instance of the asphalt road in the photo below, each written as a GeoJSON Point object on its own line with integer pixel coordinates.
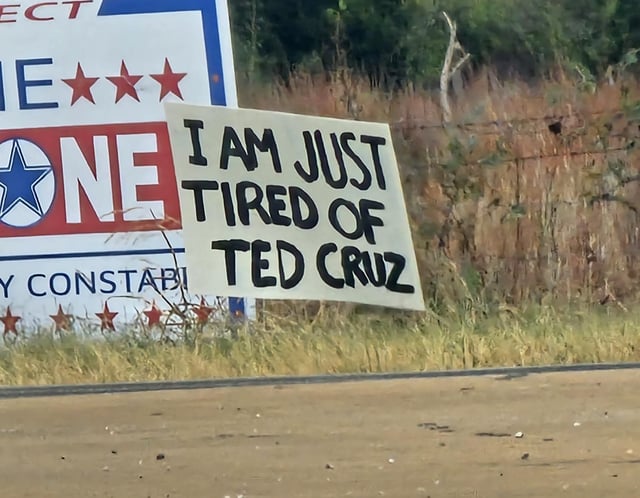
{"type": "Point", "coordinates": [85, 389]}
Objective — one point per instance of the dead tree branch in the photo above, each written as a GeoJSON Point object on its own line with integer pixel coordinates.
{"type": "Point", "coordinates": [449, 68]}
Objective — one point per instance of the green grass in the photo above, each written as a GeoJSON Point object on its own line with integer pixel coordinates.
{"type": "Point", "coordinates": [361, 343]}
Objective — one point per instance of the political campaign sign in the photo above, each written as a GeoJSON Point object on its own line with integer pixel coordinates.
{"type": "Point", "coordinates": [90, 221]}
{"type": "Point", "coordinates": [283, 206]}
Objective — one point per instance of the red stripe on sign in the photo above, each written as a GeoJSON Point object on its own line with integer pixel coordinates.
{"type": "Point", "coordinates": [87, 179]}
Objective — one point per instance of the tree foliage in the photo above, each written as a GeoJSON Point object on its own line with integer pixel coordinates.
{"type": "Point", "coordinates": [395, 41]}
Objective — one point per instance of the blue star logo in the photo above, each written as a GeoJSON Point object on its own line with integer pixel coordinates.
{"type": "Point", "coordinates": [20, 182]}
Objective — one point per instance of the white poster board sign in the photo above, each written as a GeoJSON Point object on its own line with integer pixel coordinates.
{"type": "Point", "coordinates": [87, 184]}
{"type": "Point", "coordinates": [284, 206]}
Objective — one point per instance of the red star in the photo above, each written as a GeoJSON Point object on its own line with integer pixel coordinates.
{"type": "Point", "coordinates": [154, 315]}
{"type": "Point", "coordinates": [125, 83]}
{"type": "Point", "coordinates": [81, 86]}
{"type": "Point", "coordinates": [169, 80]}
{"type": "Point", "coordinates": [63, 321]}
{"type": "Point", "coordinates": [10, 322]}
{"type": "Point", "coordinates": [203, 311]}
{"type": "Point", "coordinates": [106, 318]}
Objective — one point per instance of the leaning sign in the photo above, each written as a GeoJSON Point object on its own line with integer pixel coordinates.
{"type": "Point", "coordinates": [90, 221]}
{"type": "Point", "coordinates": [285, 206]}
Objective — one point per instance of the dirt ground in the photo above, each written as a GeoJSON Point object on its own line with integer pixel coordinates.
{"type": "Point", "coordinates": [425, 438]}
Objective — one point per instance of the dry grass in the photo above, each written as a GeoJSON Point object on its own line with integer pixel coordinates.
{"type": "Point", "coordinates": [503, 198]}
{"type": "Point", "coordinates": [363, 343]}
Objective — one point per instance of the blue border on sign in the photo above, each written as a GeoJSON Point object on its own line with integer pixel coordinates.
{"type": "Point", "coordinates": [87, 255]}
{"type": "Point", "coordinates": [210, 28]}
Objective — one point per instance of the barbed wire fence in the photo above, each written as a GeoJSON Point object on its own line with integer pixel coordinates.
{"type": "Point", "coordinates": [601, 136]}
{"type": "Point", "coordinates": [422, 124]}
{"type": "Point", "coordinates": [607, 140]}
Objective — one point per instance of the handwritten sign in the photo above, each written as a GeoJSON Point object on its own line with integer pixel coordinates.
{"type": "Point", "coordinates": [285, 206]}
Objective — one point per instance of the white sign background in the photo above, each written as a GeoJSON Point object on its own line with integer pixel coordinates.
{"type": "Point", "coordinates": [398, 282]}
{"type": "Point", "coordinates": [82, 87]}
